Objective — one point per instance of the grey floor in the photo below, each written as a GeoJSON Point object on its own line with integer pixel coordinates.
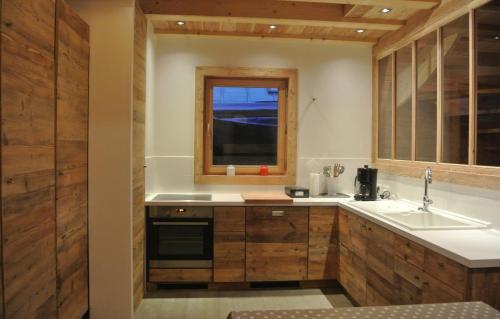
{"type": "Point", "coordinates": [197, 304]}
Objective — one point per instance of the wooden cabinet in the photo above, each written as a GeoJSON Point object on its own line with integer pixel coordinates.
{"type": "Point", "coordinates": [180, 275]}
{"type": "Point", "coordinates": [352, 274]}
{"type": "Point", "coordinates": [276, 243]}
{"type": "Point", "coordinates": [380, 266]}
{"type": "Point", "coordinates": [322, 261]}
{"type": "Point", "coordinates": [229, 244]}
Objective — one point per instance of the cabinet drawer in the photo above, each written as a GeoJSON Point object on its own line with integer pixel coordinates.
{"type": "Point", "coordinates": [434, 291]}
{"type": "Point", "coordinates": [276, 262]}
{"type": "Point", "coordinates": [409, 272]}
{"type": "Point", "coordinates": [448, 271]}
{"type": "Point", "coordinates": [180, 275]}
{"type": "Point", "coordinates": [229, 219]}
{"type": "Point", "coordinates": [409, 251]}
{"type": "Point", "coordinates": [277, 224]}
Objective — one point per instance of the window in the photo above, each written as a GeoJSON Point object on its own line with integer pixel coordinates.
{"type": "Point", "coordinates": [444, 102]}
{"type": "Point", "coordinates": [247, 120]}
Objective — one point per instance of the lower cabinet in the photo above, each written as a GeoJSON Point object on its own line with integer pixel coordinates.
{"type": "Point", "coordinates": [323, 255]}
{"type": "Point", "coordinates": [276, 243]}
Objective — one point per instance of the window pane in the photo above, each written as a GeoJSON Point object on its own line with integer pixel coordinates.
{"type": "Point", "coordinates": [403, 103]}
{"type": "Point", "coordinates": [426, 111]}
{"type": "Point", "coordinates": [385, 108]}
{"type": "Point", "coordinates": [488, 84]}
{"type": "Point", "coordinates": [456, 91]}
{"type": "Point", "coordinates": [245, 125]}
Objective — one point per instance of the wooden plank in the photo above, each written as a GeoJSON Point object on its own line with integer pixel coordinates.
{"type": "Point", "coordinates": [138, 152]}
{"type": "Point", "coordinates": [229, 219]}
{"type": "Point", "coordinates": [27, 157]}
{"type": "Point", "coordinates": [276, 261]}
{"type": "Point", "coordinates": [409, 251]}
{"type": "Point", "coordinates": [412, 4]}
{"type": "Point", "coordinates": [322, 262]}
{"type": "Point", "coordinates": [484, 285]}
{"type": "Point", "coordinates": [435, 291]}
{"type": "Point", "coordinates": [183, 275]}
{"type": "Point", "coordinates": [268, 12]}
{"type": "Point", "coordinates": [277, 224]}
{"type": "Point", "coordinates": [71, 163]}
{"type": "Point", "coordinates": [229, 256]}
{"type": "Point", "coordinates": [352, 275]}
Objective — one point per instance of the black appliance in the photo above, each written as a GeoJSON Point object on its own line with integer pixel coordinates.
{"type": "Point", "coordinates": [179, 237]}
{"type": "Point", "coordinates": [365, 184]}
{"type": "Point", "coordinates": [297, 192]}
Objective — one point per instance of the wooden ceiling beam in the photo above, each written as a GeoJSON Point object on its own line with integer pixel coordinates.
{"type": "Point", "coordinates": [264, 12]}
{"type": "Point", "coordinates": [410, 4]}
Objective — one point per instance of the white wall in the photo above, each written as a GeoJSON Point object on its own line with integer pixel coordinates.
{"type": "Point", "coordinates": [334, 128]}
{"type": "Point", "coordinates": [110, 155]}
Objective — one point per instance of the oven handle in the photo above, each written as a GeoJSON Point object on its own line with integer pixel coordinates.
{"type": "Point", "coordinates": [180, 223]}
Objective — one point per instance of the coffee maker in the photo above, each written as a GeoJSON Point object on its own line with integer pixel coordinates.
{"type": "Point", "coordinates": [365, 184]}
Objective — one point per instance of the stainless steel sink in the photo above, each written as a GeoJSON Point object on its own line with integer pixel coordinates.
{"type": "Point", "coordinates": [184, 197]}
{"type": "Point", "coordinates": [331, 195]}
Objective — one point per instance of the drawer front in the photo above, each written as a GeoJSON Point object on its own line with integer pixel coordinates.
{"type": "Point", "coordinates": [358, 233]}
{"type": "Point", "coordinates": [229, 219]}
{"type": "Point", "coordinates": [180, 211]}
{"type": "Point", "coordinates": [380, 251]}
{"type": "Point", "coordinates": [434, 291]}
{"type": "Point", "coordinates": [277, 224]}
{"type": "Point", "coordinates": [276, 262]}
{"type": "Point", "coordinates": [409, 272]}
{"type": "Point", "coordinates": [379, 291]}
{"type": "Point", "coordinates": [180, 275]}
{"type": "Point", "coordinates": [448, 271]}
{"type": "Point", "coordinates": [410, 251]}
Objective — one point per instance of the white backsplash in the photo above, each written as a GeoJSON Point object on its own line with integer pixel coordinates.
{"type": "Point", "coordinates": [473, 202]}
{"type": "Point", "coordinates": [174, 174]}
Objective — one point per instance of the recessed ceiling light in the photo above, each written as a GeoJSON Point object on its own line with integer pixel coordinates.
{"type": "Point", "coordinates": [181, 23]}
{"type": "Point", "coordinates": [273, 26]}
{"type": "Point", "coordinates": [496, 37]}
{"type": "Point", "coordinates": [360, 30]}
{"type": "Point", "coordinates": [386, 10]}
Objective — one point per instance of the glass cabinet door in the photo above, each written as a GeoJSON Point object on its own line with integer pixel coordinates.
{"type": "Point", "coordinates": [385, 108]}
{"type": "Point", "coordinates": [403, 103]}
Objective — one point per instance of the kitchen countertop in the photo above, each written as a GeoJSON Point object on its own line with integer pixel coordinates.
{"type": "Point", "coordinates": [473, 248]}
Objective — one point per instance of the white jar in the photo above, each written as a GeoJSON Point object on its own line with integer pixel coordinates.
{"type": "Point", "coordinates": [230, 170]}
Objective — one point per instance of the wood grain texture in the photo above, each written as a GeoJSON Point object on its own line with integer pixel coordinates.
{"type": "Point", "coordinates": [409, 251]}
{"type": "Point", "coordinates": [262, 226]}
{"type": "Point", "coordinates": [179, 275]}
{"type": "Point", "coordinates": [276, 261]}
{"type": "Point", "coordinates": [484, 285]}
{"type": "Point", "coordinates": [352, 274]}
{"type": "Point", "coordinates": [322, 261]}
{"type": "Point", "coordinates": [446, 270]}
{"type": "Point", "coordinates": [138, 153]}
{"type": "Point", "coordinates": [28, 158]}
{"type": "Point", "coordinates": [267, 198]}
{"type": "Point", "coordinates": [71, 163]}
{"type": "Point", "coordinates": [229, 256]}
{"type": "Point", "coordinates": [229, 219]}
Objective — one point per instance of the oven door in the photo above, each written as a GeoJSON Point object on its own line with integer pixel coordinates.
{"type": "Point", "coordinates": [180, 242]}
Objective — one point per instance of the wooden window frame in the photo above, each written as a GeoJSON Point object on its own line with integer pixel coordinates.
{"type": "Point", "coordinates": [285, 170]}
{"type": "Point", "coordinates": [466, 174]}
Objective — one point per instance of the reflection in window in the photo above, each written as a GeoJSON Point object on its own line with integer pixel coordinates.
{"type": "Point", "coordinates": [488, 84]}
{"type": "Point", "coordinates": [403, 103]}
{"type": "Point", "coordinates": [426, 108]}
{"type": "Point", "coordinates": [455, 129]}
{"type": "Point", "coordinates": [385, 108]}
{"type": "Point", "coordinates": [245, 125]}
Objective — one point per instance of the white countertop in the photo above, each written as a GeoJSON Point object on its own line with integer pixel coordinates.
{"type": "Point", "coordinates": [474, 248]}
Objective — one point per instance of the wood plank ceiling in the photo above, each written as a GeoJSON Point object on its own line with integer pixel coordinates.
{"type": "Point", "coordinates": [342, 20]}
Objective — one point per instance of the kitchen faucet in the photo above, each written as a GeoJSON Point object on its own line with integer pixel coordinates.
{"type": "Point", "coordinates": [426, 200]}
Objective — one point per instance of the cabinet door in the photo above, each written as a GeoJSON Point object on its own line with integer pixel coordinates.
{"type": "Point", "coordinates": [358, 233]}
{"type": "Point", "coordinates": [446, 270]}
{"type": "Point", "coordinates": [380, 264]}
{"type": "Point", "coordinates": [322, 262]}
{"type": "Point", "coordinates": [344, 235]}
{"type": "Point", "coordinates": [229, 244]}
{"type": "Point", "coordinates": [276, 246]}
{"type": "Point", "coordinates": [352, 274]}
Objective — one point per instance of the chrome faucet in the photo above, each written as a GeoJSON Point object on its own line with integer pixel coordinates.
{"type": "Point", "coordinates": [426, 200]}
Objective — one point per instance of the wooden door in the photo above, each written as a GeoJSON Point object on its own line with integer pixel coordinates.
{"type": "Point", "coordinates": [71, 163]}
{"type": "Point", "coordinates": [322, 261]}
{"type": "Point", "coordinates": [380, 266]}
{"type": "Point", "coordinates": [28, 158]}
{"type": "Point", "coordinates": [229, 244]}
{"type": "Point", "coordinates": [276, 243]}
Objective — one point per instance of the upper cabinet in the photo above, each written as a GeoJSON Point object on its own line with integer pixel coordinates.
{"type": "Point", "coordinates": [438, 95]}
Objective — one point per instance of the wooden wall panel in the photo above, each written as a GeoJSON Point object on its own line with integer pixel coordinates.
{"type": "Point", "coordinates": [28, 158]}
{"type": "Point", "coordinates": [139, 100]}
{"type": "Point", "coordinates": [72, 53]}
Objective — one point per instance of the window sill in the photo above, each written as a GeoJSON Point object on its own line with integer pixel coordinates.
{"type": "Point", "coordinates": [245, 179]}
{"type": "Point", "coordinates": [470, 175]}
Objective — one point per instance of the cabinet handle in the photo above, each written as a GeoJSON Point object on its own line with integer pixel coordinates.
{"type": "Point", "coordinates": [440, 264]}
{"type": "Point", "coordinates": [278, 213]}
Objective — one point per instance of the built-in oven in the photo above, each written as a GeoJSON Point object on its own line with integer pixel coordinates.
{"type": "Point", "coordinates": [179, 237]}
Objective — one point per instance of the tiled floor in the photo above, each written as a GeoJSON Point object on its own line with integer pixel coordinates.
{"type": "Point", "coordinates": [203, 304]}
